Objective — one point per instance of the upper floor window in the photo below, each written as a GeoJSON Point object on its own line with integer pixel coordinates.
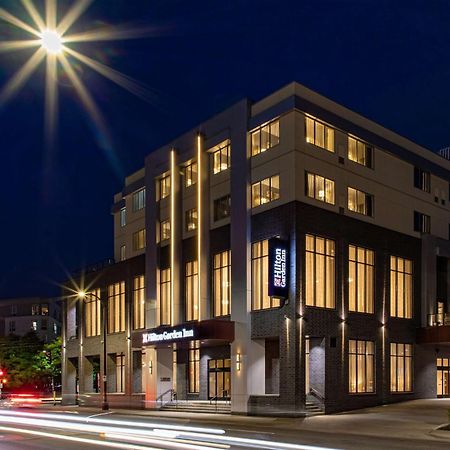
{"type": "Point", "coordinates": [164, 187]}
{"type": "Point", "coordinates": [139, 200]}
{"type": "Point", "coordinates": [320, 188]}
{"type": "Point", "coordinates": [14, 310]}
{"type": "Point", "coordinates": [360, 152]}
{"type": "Point", "coordinates": [139, 240]}
{"type": "Point", "coordinates": [123, 251]}
{"type": "Point", "coordinates": [164, 230]}
{"type": "Point", "coordinates": [361, 282]}
{"type": "Point", "coordinates": [401, 287]}
{"type": "Point", "coordinates": [190, 173]}
{"type": "Point", "coordinates": [260, 277]}
{"type": "Point", "coordinates": [92, 316]}
{"type": "Point", "coordinates": [44, 309]}
{"type": "Point", "coordinates": [422, 179]}
{"type": "Point", "coordinates": [266, 190]}
{"type": "Point", "coordinates": [320, 272]}
{"type": "Point", "coordinates": [265, 137]}
{"type": "Point", "coordinates": [35, 309]}
{"type": "Point", "coordinates": [165, 304]}
{"type": "Point", "coordinates": [12, 326]}
{"type": "Point", "coordinates": [422, 222]}
{"type": "Point", "coordinates": [139, 302]}
{"type": "Point", "coordinates": [221, 156]}
{"type": "Point", "coordinates": [123, 217]}
{"type": "Point", "coordinates": [116, 307]}
{"type": "Point", "coordinates": [319, 134]}
{"type": "Point", "coordinates": [191, 290]}
{"type": "Point", "coordinates": [222, 283]}
{"type": "Point", "coordinates": [222, 208]}
{"type": "Point", "coordinates": [191, 219]}
{"type": "Point", "coordinates": [360, 202]}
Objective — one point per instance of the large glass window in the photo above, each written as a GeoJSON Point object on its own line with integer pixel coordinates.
{"type": "Point", "coordinates": [116, 307]}
{"type": "Point", "coordinates": [123, 217]}
{"type": "Point", "coordinates": [222, 283]}
{"type": "Point", "coordinates": [265, 191]}
{"type": "Point", "coordinates": [422, 179]}
{"type": "Point", "coordinates": [360, 152]}
{"type": "Point", "coordinates": [260, 277]}
{"type": "Point", "coordinates": [191, 290]}
{"type": "Point", "coordinates": [222, 208]}
{"type": "Point", "coordinates": [120, 372]}
{"type": "Point", "coordinates": [139, 302]}
{"type": "Point", "coordinates": [422, 222]}
{"type": "Point", "coordinates": [164, 230]}
{"type": "Point", "coordinates": [401, 367]}
{"type": "Point", "coordinates": [221, 156]}
{"type": "Point", "coordinates": [139, 240]}
{"type": "Point", "coordinates": [190, 174]}
{"type": "Point", "coordinates": [319, 134]}
{"type": "Point", "coordinates": [361, 274]}
{"type": "Point", "coordinates": [164, 187]}
{"type": "Point", "coordinates": [401, 287]}
{"type": "Point", "coordinates": [165, 305]}
{"type": "Point", "coordinates": [139, 199]}
{"type": "Point", "coordinates": [92, 307]}
{"type": "Point", "coordinates": [360, 202]}
{"type": "Point", "coordinates": [123, 250]}
{"type": "Point", "coordinates": [443, 377]}
{"type": "Point", "coordinates": [320, 188]}
{"type": "Point", "coordinates": [265, 137]}
{"type": "Point", "coordinates": [194, 371]}
{"type": "Point", "coordinates": [361, 366]}
{"type": "Point", "coordinates": [191, 219]}
{"type": "Point", "coordinates": [320, 272]}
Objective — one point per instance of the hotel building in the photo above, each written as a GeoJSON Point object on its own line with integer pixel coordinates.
{"type": "Point", "coordinates": [286, 255]}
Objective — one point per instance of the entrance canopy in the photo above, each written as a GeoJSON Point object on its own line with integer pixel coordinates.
{"type": "Point", "coordinates": [208, 332]}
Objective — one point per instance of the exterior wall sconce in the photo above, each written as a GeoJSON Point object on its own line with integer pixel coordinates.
{"type": "Point", "coordinates": [238, 362]}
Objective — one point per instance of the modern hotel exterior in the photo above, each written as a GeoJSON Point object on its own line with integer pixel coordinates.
{"type": "Point", "coordinates": [293, 195]}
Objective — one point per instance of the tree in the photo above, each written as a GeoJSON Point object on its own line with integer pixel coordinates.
{"type": "Point", "coordinates": [48, 363]}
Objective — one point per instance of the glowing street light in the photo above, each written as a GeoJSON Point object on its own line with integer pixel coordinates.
{"type": "Point", "coordinates": [51, 41]}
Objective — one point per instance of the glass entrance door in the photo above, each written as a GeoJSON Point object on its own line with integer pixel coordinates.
{"type": "Point", "coordinates": [219, 378]}
{"type": "Point", "coordinates": [443, 377]}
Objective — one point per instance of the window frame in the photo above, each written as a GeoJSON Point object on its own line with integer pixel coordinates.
{"type": "Point", "coordinates": [404, 359]}
{"type": "Point", "coordinates": [404, 275]}
{"type": "Point", "coordinates": [191, 217]}
{"type": "Point", "coordinates": [257, 133]}
{"type": "Point", "coordinates": [194, 371]}
{"type": "Point", "coordinates": [224, 206]}
{"type": "Point", "coordinates": [258, 185]}
{"type": "Point", "coordinates": [190, 174]}
{"type": "Point", "coordinates": [357, 361]}
{"type": "Point", "coordinates": [164, 186]}
{"type": "Point", "coordinates": [315, 188]}
{"type": "Point", "coordinates": [369, 151]}
{"type": "Point", "coordinates": [369, 202]}
{"type": "Point", "coordinates": [92, 314]}
{"type": "Point", "coordinates": [116, 308]}
{"type": "Point", "coordinates": [162, 224]}
{"type": "Point", "coordinates": [138, 294]}
{"type": "Point", "coordinates": [219, 269]}
{"type": "Point", "coordinates": [314, 139]}
{"type": "Point", "coordinates": [123, 216]}
{"type": "Point", "coordinates": [365, 265]}
{"type": "Point", "coordinates": [139, 240]}
{"type": "Point", "coordinates": [221, 154]}
{"type": "Point", "coordinates": [165, 280]}
{"type": "Point", "coordinates": [422, 223]}
{"type": "Point", "coordinates": [138, 199]}
{"type": "Point", "coordinates": [191, 298]}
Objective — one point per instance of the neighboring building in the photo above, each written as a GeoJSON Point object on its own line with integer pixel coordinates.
{"type": "Point", "coordinates": [364, 216]}
{"type": "Point", "coordinates": [18, 316]}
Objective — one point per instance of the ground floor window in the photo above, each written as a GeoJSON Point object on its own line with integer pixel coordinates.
{"type": "Point", "coordinates": [194, 371]}
{"type": "Point", "coordinates": [443, 377]}
{"type": "Point", "coordinates": [361, 363]}
{"type": "Point", "coordinates": [120, 372]}
{"type": "Point", "coordinates": [401, 367]}
{"type": "Point", "coordinates": [219, 378]}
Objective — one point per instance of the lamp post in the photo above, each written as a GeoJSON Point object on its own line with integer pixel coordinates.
{"type": "Point", "coordinates": [83, 296]}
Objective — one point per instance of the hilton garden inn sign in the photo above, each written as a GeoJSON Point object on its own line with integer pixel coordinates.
{"type": "Point", "coordinates": [169, 335]}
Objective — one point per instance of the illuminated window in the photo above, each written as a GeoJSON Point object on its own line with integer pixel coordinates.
{"type": "Point", "coordinates": [139, 240]}
{"type": "Point", "coordinates": [191, 290]}
{"type": "Point", "coordinates": [265, 191]}
{"type": "Point", "coordinates": [194, 371]}
{"type": "Point", "coordinates": [34, 326]}
{"type": "Point", "coordinates": [320, 272]}
{"type": "Point", "coordinates": [116, 307]}
{"type": "Point", "coordinates": [92, 314]}
{"type": "Point", "coordinates": [164, 230]}
{"type": "Point", "coordinates": [221, 156]}
{"type": "Point", "coordinates": [139, 302]}
{"type": "Point", "coordinates": [361, 273]}
{"type": "Point", "coordinates": [44, 309]}
{"type": "Point", "coordinates": [422, 179]}
{"type": "Point", "coordinates": [401, 367]}
{"type": "Point", "coordinates": [361, 366]}
{"type": "Point", "coordinates": [222, 283]}
{"type": "Point", "coordinates": [222, 208]}
{"type": "Point", "coordinates": [320, 188]}
{"type": "Point", "coordinates": [360, 152]}
{"type": "Point", "coordinates": [123, 217]}
{"type": "Point", "coordinates": [360, 202]}
{"type": "Point", "coordinates": [191, 219]}
{"type": "Point", "coordinates": [35, 309]}
{"type": "Point", "coordinates": [190, 174]}
{"type": "Point", "coordinates": [139, 200]}
{"type": "Point", "coordinates": [401, 287]}
{"type": "Point", "coordinates": [443, 377]}
{"type": "Point", "coordinates": [165, 306]}
{"type": "Point", "coordinates": [122, 253]}
{"type": "Point", "coordinates": [265, 137]}
{"type": "Point", "coordinates": [120, 372]}
{"type": "Point", "coordinates": [260, 277]}
{"type": "Point", "coordinates": [319, 134]}
{"type": "Point", "coordinates": [164, 187]}
{"type": "Point", "coordinates": [422, 223]}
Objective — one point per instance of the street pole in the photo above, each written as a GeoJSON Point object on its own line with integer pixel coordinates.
{"type": "Point", "coordinates": [105, 406]}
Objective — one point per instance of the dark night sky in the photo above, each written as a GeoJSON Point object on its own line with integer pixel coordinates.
{"type": "Point", "coordinates": [388, 60]}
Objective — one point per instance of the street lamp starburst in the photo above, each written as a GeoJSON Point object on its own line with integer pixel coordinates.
{"type": "Point", "coordinates": [55, 46]}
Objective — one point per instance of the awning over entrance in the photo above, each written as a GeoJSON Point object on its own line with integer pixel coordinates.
{"type": "Point", "coordinates": [208, 332]}
{"type": "Point", "coordinates": [434, 335]}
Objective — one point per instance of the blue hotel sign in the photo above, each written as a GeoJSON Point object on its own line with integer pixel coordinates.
{"type": "Point", "coordinates": [278, 268]}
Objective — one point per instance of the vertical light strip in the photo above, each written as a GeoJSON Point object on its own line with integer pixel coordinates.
{"type": "Point", "coordinates": [172, 233]}
{"type": "Point", "coordinates": [199, 223]}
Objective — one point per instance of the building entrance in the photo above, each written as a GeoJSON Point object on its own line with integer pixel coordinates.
{"type": "Point", "coordinates": [443, 377]}
{"type": "Point", "coordinates": [219, 378]}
